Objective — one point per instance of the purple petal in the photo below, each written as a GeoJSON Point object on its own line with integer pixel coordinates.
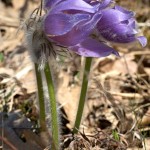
{"type": "Point", "coordinates": [120, 33]}
{"type": "Point", "coordinates": [123, 10]}
{"type": "Point", "coordinates": [111, 17]}
{"type": "Point", "coordinates": [48, 4]}
{"type": "Point", "coordinates": [132, 23]}
{"type": "Point", "coordinates": [59, 24]}
{"type": "Point", "coordinates": [78, 33]}
{"type": "Point", "coordinates": [93, 48]}
{"type": "Point", "coordinates": [102, 4]}
{"type": "Point", "coordinates": [105, 3]}
{"type": "Point", "coordinates": [142, 40]}
{"type": "Point", "coordinates": [74, 5]}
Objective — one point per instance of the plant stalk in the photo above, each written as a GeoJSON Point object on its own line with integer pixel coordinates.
{"type": "Point", "coordinates": [41, 98]}
{"type": "Point", "coordinates": [83, 93]}
{"type": "Point", "coordinates": [53, 107]}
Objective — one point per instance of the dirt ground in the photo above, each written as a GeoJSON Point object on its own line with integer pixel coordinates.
{"type": "Point", "coordinates": [117, 110]}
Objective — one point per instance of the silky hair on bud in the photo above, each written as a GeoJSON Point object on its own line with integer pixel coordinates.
{"type": "Point", "coordinates": [40, 48]}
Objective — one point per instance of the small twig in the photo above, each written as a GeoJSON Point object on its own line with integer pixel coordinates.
{"type": "Point", "coordinates": [119, 111]}
{"type": "Point", "coordinates": [128, 95]}
{"type": "Point", "coordinates": [24, 8]}
{"type": "Point", "coordinates": [145, 52]}
{"type": "Point", "coordinates": [8, 143]}
{"type": "Point", "coordinates": [142, 106]}
{"type": "Point", "coordinates": [8, 22]}
{"type": "Point", "coordinates": [144, 24]}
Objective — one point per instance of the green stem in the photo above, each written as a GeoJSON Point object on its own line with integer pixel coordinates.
{"type": "Point", "coordinates": [82, 94]}
{"type": "Point", "coordinates": [53, 105]}
{"type": "Point", "coordinates": [41, 98]}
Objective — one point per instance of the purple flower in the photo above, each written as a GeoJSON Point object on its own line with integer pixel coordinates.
{"type": "Point", "coordinates": [118, 25]}
{"type": "Point", "coordinates": [71, 24]}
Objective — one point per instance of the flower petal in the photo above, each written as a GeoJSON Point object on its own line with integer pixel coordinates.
{"type": "Point", "coordinates": [142, 40]}
{"type": "Point", "coordinates": [48, 4]}
{"type": "Point", "coordinates": [102, 4]}
{"type": "Point", "coordinates": [74, 5]}
{"type": "Point", "coordinates": [111, 17]}
{"type": "Point", "coordinates": [123, 10]}
{"type": "Point", "coordinates": [59, 24]}
{"type": "Point", "coordinates": [120, 33]}
{"type": "Point", "coordinates": [78, 32]}
{"type": "Point", "coordinates": [105, 3]}
{"type": "Point", "coordinates": [93, 48]}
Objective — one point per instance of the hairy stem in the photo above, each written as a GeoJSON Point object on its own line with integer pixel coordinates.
{"type": "Point", "coordinates": [41, 98]}
{"type": "Point", "coordinates": [53, 105]}
{"type": "Point", "coordinates": [82, 94]}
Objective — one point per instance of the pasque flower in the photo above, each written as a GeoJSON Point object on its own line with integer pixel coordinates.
{"type": "Point", "coordinates": [118, 25]}
{"type": "Point", "coordinates": [71, 23]}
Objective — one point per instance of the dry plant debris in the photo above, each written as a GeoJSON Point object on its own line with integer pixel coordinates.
{"type": "Point", "coordinates": [117, 112]}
